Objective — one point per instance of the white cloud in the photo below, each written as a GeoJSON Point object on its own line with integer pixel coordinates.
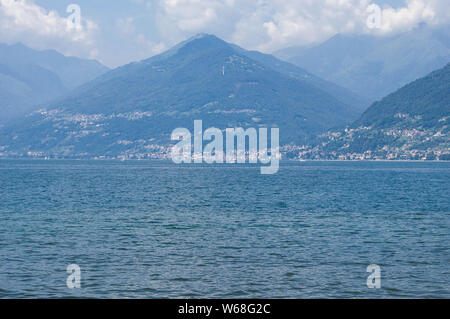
{"type": "Point", "coordinates": [270, 24]}
{"type": "Point", "coordinates": [126, 25]}
{"type": "Point", "coordinates": [24, 21]}
{"type": "Point", "coordinates": [177, 19]}
{"type": "Point", "coordinates": [433, 12]}
{"type": "Point", "coordinates": [142, 45]}
{"type": "Point", "coordinates": [265, 25]}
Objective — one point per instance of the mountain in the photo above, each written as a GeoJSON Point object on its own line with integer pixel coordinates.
{"type": "Point", "coordinates": [22, 86]}
{"type": "Point", "coordinates": [412, 123]}
{"type": "Point", "coordinates": [29, 77]}
{"type": "Point", "coordinates": [133, 109]}
{"type": "Point", "coordinates": [373, 66]}
{"type": "Point", "coordinates": [356, 101]}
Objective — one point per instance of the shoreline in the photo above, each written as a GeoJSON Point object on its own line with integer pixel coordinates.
{"type": "Point", "coordinates": [168, 160]}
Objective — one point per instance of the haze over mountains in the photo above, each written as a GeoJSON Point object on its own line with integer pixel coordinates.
{"type": "Point", "coordinates": [130, 112]}
{"type": "Point", "coordinates": [374, 67]}
{"type": "Point", "coordinates": [29, 77]}
{"type": "Point", "coordinates": [132, 108]}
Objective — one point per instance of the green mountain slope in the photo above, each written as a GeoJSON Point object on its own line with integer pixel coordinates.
{"type": "Point", "coordinates": [412, 123]}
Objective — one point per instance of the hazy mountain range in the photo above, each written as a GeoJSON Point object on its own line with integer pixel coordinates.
{"type": "Point", "coordinates": [130, 112]}
{"type": "Point", "coordinates": [373, 66]}
{"type": "Point", "coordinates": [29, 77]}
{"type": "Point", "coordinates": [136, 106]}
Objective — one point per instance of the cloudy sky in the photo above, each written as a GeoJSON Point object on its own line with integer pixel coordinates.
{"type": "Point", "coordinates": [117, 32]}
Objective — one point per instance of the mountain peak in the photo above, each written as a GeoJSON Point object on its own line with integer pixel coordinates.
{"type": "Point", "coordinates": [202, 36]}
{"type": "Point", "coordinates": [204, 40]}
{"type": "Point", "coordinates": [198, 42]}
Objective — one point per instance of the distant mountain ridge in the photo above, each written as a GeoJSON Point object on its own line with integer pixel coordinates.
{"type": "Point", "coordinates": [349, 97]}
{"type": "Point", "coordinates": [411, 123]}
{"type": "Point", "coordinates": [133, 109]}
{"type": "Point", "coordinates": [29, 77]}
{"type": "Point", "coordinates": [373, 66]}
{"type": "Point", "coordinates": [427, 98]}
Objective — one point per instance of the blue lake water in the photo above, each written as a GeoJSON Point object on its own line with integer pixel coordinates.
{"type": "Point", "coordinates": [156, 230]}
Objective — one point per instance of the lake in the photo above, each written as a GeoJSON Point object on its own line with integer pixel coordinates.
{"type": "Point", "coordinates": [144, 229]}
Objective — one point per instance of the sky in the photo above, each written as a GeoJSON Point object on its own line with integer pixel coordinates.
{"type": "Point", "coordinates": [121, 31]}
